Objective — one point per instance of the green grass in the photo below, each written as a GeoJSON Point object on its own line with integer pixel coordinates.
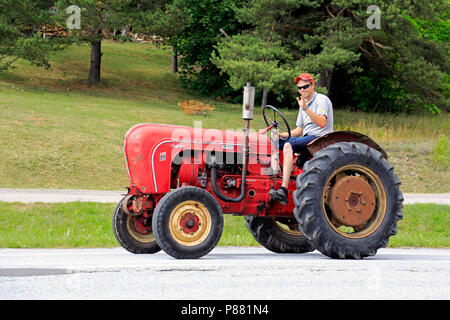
{"type": "Point", "coordinates": [423, 225]}
{"type": "Point", "coordinates": [56, 225]}
{"type": "Point", "coordinates": [84, 224]}
{"type": "Point", "coordinates": [80, 224]}
{"type": "Point", "coordinates": [57, 131]}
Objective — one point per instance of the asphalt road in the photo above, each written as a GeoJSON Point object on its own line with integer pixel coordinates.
{"type": "Point", "coordinates": [69, 195]}
{"type": "Point", "coordinates": [226, 273]}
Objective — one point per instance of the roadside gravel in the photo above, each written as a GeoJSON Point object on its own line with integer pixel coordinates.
{"type": "Point", "coordinates": [102, 196]}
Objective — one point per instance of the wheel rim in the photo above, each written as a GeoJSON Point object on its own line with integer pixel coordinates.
{"type": "Point", "coordinates": [140, 228]}
{"type": "Point", "coordinates": [190, 223]}
{"type": "Point", "coordinates": [354, 201]}
{"type": "Point", "coordinates": [289, 229]}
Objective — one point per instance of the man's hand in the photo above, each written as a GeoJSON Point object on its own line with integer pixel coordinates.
{"type": "Point", "coordinates": [297, 132]}
{"type": "Point", "coordinates": [284, 134]}
{"type": "Point", "coordinates": [302, 103]}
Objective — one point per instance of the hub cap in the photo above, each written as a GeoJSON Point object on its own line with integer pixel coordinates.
{"type": "Point", "coordinates": [140, 228]}
{"type": "Point", "coordinates": [190, 223]}
{"type": "Point", "coordinates": [354, 201]}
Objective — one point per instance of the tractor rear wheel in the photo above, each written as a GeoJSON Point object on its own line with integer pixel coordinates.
{"type": "Point", "coordinates": [280, 235]}
{"type": "Point", "coordinates": [134, 233]}
{"type": "Point", "coordinates": [348, 201]}
{"type": "Point", "coordinates": [187, 223]}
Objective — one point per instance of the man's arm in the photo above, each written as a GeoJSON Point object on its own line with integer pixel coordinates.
{"type": "Point", "coordinates": [319, 119]}
{"type": "Point", "coordinates": [297, 132]}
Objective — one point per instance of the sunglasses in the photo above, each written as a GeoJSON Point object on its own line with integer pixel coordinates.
{"type": "Point", "coordinates": [306, 86]}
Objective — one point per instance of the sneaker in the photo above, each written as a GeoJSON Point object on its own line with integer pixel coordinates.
{"type": "Point", "coordinates": [279, 195]}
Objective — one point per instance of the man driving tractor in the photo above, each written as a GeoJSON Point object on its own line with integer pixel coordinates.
{"type": "Point", "coordinates": [315, 119]}
{"type": "Point", "coordinates": [345, 203]}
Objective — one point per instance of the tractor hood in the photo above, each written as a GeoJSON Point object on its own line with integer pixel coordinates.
{"type": "Point", "coordinates": [149, 150]}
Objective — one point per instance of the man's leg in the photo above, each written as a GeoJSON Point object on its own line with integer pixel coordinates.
{"type": "Point", "coordinates": [288, 159]}
{"type": "Point", "coordinates": [282, 193]}
{"type": "Point", "coordinates": [293, 144]}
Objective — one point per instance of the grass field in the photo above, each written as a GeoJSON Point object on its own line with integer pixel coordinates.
{"type": "Point", "coordinates": [59, 132]}
{"type": "Point", "coordinates": [84, 224]}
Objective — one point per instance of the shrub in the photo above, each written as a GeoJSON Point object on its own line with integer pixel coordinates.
{"type": "Point", "coordinates": [195, 107]}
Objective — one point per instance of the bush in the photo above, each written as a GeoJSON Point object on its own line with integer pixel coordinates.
{"type": "Point", "coordinates": [195, 107]}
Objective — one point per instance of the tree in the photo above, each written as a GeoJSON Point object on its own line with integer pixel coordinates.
{"type": "Point", "coordinates": [166, 20]}
{"type": "Point", "coordinates": [97, 19]}
{"type": "Point", "coordinates": [20, 32]}
{"type": "Point", "coordinates": [258, 55]}
{"type": "Point", "coordinates": [197, 39]}
{"type": "Point", "coordinates": [248, 58]}
{"type": "Point", "coordinates": [395, 51]}
{"type": "Point", "coordinates": [326, 37]}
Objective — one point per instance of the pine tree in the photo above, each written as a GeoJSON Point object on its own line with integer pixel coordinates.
{"type": "Point", "coordinates": [258, 55]}
{"type": "Point", "coordinates": [325, 36]}
{"type": "Point", "coordinates": [21, 32]}
{"type": "Point", "coordinates": [197, 39]}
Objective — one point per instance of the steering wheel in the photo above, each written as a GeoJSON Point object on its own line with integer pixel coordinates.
{"type": "Point", "coordinates": [273, 117]}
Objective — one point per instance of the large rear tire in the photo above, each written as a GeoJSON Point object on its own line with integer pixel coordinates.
{"type": "Point", "coordinates": [187, 223]}
{"type": "Point", "coordinates": [348, 201]}
{"type": "Point", "coordinates": [279, 235]}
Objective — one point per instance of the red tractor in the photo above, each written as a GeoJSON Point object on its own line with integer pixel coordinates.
{"type": "Point", "coordinates": [344, 198]}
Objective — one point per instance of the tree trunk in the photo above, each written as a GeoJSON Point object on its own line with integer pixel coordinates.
{"type": "Point", "coordinates": [174, 61]}
{"type": "Point", "coordinates": [325, 79]}
{"type": "Point", "coordinates": [264, 98]}
{"type": "Point", "coordinates": [124, 31]}
{"type": "Point", "coordinates": [96, 60]}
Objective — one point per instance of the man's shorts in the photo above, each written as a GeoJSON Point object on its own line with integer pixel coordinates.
{"type": "Point", "coordinates": [298, 144]}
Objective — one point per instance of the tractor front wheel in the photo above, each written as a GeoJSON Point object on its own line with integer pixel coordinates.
{"type": "Point", "coordinates": [187, 223]}
{"type": "Point", "coordinates": [134, 232]}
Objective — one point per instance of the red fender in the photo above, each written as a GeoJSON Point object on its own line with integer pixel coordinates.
{"type": "Point", "coordinates": [343, 136]}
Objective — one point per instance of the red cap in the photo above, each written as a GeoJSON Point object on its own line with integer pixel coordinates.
{"type": "Point", "coordinates": [304, 77]}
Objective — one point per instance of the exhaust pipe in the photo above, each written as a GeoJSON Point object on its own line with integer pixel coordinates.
{"type": "Point", "coordinates": [247, 115]}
